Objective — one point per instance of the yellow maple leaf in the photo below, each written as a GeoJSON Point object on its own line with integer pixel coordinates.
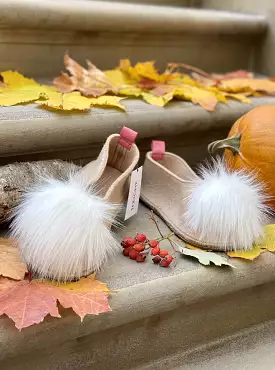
{"type": "Point", "coordinates": [268, 242]}
{"type": "Point", "coordinates": [159, 101]}
{"type": "Point", "coordinates": [70, 101]}
{"type": "Point", "coordinates": [248, 255]}
{"type": "Point", "coordinates": [130, 90]}
{"type": "Point", "coordinates": [240, 97]}
{"type": "Point", "coordinates": [117, 78]}
{"type": "Point", "coordinates": [85, 284]}
{"type": "Point", "coordinates": [126, 67]}
{"type": "Point", "coordinates": [107, 101]}
{"type": "Point", "coordinates": [14, 78]}
{"type": "Point", "coordinates": [18, 89]}
{"type": "Point", "coordinates": [204, 98]}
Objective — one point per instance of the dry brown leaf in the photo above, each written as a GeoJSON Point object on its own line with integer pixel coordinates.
{"type": "Point", "coordinates": [91, 81]}
{"type": "Point", "coordinates": [10, 262]}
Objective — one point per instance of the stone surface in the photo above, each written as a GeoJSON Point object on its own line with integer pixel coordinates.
{"type": "Point", "coordinates": [28, 130]}
{"type": "Point", "coordinates": [127, 17]}
{"type": "Point", "coordinates": [265, 56]}
{"type": "Point", "coordinates": [105, 31]}
{"type": "Point", "coordinates": [180, 308]}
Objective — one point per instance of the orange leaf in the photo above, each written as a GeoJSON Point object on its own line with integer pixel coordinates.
{"type": "Point", "coordinates": [91, 81]}
{"type": "Point", "coordinates": [86, 296]}
{"type": "Point", "coordinates": [10, 263]}
{"type": "Point", "coordinates": [27, 303]}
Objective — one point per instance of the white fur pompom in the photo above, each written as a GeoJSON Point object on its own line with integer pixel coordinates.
{"type": "Point", "coordinates": [62, 230]}
{"type": "Point", "coordinates": [227, 208]}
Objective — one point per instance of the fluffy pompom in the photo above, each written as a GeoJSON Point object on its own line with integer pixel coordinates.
{"type": "Point", "coordinates": [62, 229]}
{"type": "Point", "coordinates": [227, 208]}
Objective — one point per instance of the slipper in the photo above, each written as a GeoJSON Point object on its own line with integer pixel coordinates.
{"type": "Point", "coordinates": [63, 228]}
{"type": "Point", "coordinates": [219, 210]}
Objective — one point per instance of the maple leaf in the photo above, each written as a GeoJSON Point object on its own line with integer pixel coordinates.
{"type": "Point", "coordinates": [10, 263]}
{"type": "Point", "coordinates": [107, 101]}
{"type": "Point", "coordinates": [91, 81]}
{"type": "Point", "coordinates": [86, 296]}
{"type": "Point", "coordinates": [18, 89]}
{"type": "Point", "coordinates": [239, 85]}
{"type": "Point", "coordinates": [204, 98]}
{"type": "Point", "coordinates": [267, 243]}
{"type": "Point", "coordinates": [70, 101]}
{"type": "Point", "coordinates": [248, 255]}
{"type": "Point", "coordinates": [29, 303]}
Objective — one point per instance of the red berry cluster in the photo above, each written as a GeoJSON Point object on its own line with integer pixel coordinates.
{"type": "Point", "coordinates": [139, 247]}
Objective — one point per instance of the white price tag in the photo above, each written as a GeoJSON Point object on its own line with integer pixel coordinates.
{"type": "Point", "coordinates": [134, 193]}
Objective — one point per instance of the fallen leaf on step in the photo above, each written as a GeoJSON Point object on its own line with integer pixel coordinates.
{"type": "Point", "coordinates": [159, 101]}
{"type": "Point", "coordinates": [70, 101]}
{"type": "Point", "coordinates": [243, 85]}
{"type": "Point", "coordinates": [28, 303]}
{"type": "Point", "coordinates": [268, 241]}
{"type": "Point", "coordinates": [140, 71]}
{"type": "Point", "coordinates": [204, 98]}
{"type": "Point", "coordinates": [91, 81]}
{"type": "Point", "coordinates": [205, 258]}
{"type": "Point", "coordinates": [87, 284]}
{"type": "Point", "coordinates": [86, 296]}
{"type": "Point", "coordinates": [240, 97]}
{"type": "Point", "coordinates": [248, 255]}
{"type": "Point", "coordinates": [107, 101]}
{"type": "Point", "coordinates": [18, 89]}
{"type": "Point", "coordinates": [10, 262]}
{"type": "Point", "coordinates": [234, 74]}
{"type": "Point", "coordinates": [2, 85]}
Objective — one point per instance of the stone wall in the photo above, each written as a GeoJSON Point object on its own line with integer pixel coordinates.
{"type": "Point", "coordinates": [265, 61]}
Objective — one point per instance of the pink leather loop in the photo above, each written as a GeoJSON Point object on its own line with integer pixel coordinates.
{"type": "Point", "coordinates": [127, 137]}
{"type": "Point", "coordinates": [158, 150]}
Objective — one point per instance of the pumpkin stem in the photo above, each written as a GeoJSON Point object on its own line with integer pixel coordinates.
{"type": "Point", "coordinates": [233, 143]}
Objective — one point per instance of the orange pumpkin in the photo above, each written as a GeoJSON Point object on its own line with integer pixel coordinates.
{"type": "Point", "coordinates": [250, 145]}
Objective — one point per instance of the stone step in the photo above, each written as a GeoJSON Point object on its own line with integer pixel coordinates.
{"type": "Point", "coordinates": [251, 349]}
{"type": "Point", "coordinates": [34, 35]}
{"type": "Point", "coordinates": [157, 314]}
{"type": "Point", "coordinates": [31, 133]}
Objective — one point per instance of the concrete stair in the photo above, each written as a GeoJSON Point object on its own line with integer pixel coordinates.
{"type": "Point", "coordinates": [31, 133]}
{"type": "Point", "coordinates": [186, 317]}
{"type": "Point", "coordinates": [34, 35]}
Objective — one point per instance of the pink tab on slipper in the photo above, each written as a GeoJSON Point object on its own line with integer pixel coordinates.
{"type": "Point", "coordinates": [158, 150]}
{"type": "Point", "coordinates": [127, 137]}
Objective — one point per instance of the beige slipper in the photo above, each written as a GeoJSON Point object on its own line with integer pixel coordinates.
{"type": "Point", "coordinates": [63, 227]}
{"type": "Point", "coordinates": [218, 211]}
